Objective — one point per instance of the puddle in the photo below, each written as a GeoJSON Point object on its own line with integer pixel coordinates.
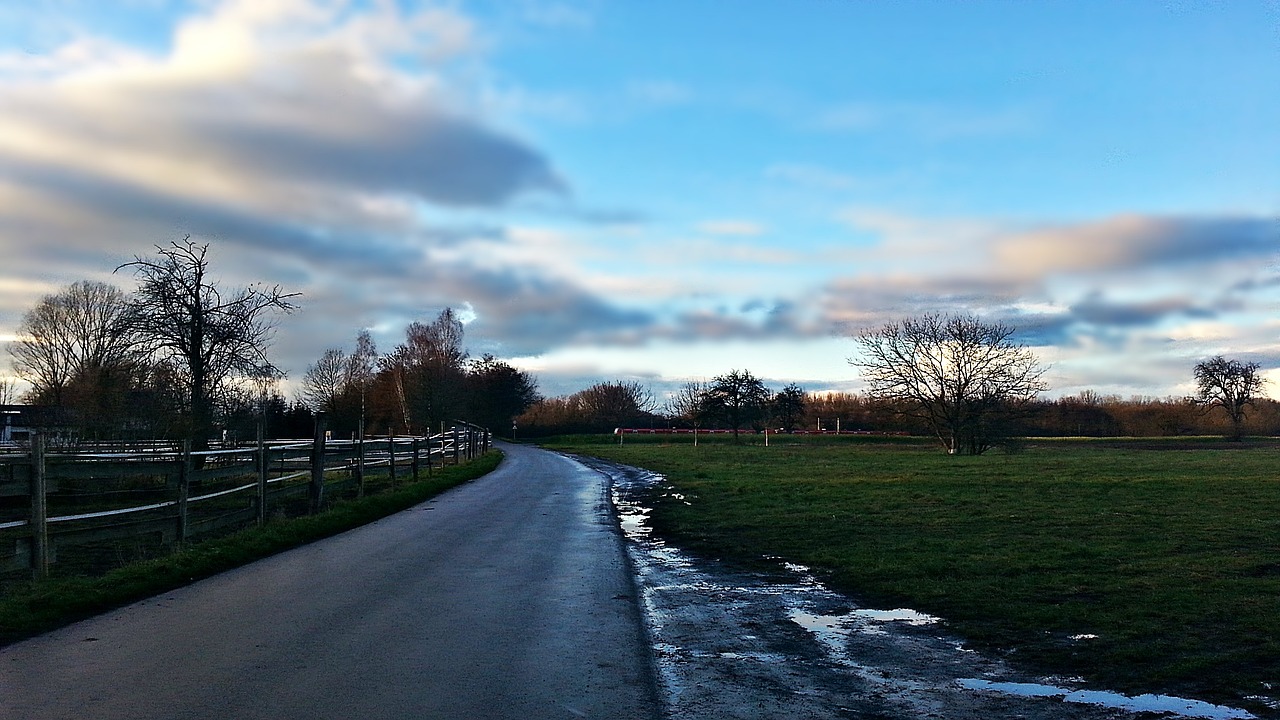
{"type": "Point", "coordinates": [733, 644]}
{"type": "Point", "coordinates": [1138, 703]}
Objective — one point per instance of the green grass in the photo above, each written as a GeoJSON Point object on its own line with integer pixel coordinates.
{"type": "Point", "coordinates": [39, 606]}
{"type": "Point", "coordinates": [1171, 556]}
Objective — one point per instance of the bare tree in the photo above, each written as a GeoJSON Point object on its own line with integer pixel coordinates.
{"type": "Point", "coordinates": [203, 335]}
{"type": "Point", "coordinates": [360, 368]}
{"type": "Point", "coordinates": [964, 378]}
{"type": "Point", "coordinates": [689, 403]}
{"type": "Point", "coordinates": [78, 334]}
{"type": "Point", "coordinates": [8, 391]}
{"type": "Point", "coordinates": [738, 397]}
{"type": "Point", "coordinates": [428, 371]}
{"type": "Point", "coordinates": [1230, 385]}
{"type": "Point", "coordinates": [325, 380]}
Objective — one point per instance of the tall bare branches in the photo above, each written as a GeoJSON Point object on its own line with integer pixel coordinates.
{"type": "Point", "coordinates": [960, 375]}
{"type": "Point", "coordinates": [204, 335]}
{"type": "Point", "coordinates": [428, 371]}
{"type": "Point", "coordinates": [1228, 384]}
{"type": "Point", "coordinates": [73, 335]}
{"type": "Point", "coordinates": [325, 381]}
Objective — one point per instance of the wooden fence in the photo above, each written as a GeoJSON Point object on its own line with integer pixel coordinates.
{"type": "Point", "coordinates": [54, 502]}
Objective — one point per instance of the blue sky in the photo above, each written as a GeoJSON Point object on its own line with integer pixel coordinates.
{"type": "Point", "coordinates": [667, 190]}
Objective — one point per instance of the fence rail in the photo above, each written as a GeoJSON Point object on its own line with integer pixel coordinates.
{"type": "Point", "coordinates": [52, 502]}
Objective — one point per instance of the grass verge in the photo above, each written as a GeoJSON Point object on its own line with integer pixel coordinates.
{"type": "Point", "coordinates": [1144, 568]}
{"type": "Point", "coordinates": [40, 606]}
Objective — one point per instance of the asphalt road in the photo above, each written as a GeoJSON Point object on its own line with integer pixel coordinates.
{"type": "Point", "coordinates": [509, 597]}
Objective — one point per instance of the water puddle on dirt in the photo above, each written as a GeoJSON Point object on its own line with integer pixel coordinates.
{"type": "Point", "coordinates": [741, 644]}
{"type": "Point", "coordinates": [1138, 703]}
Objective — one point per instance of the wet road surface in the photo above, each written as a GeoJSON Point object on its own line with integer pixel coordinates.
{"type": "Point", "coordinates": [509, 597]}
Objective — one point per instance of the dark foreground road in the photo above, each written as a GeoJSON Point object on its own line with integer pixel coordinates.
{"type": "Point", "coordinates": [506, 598]}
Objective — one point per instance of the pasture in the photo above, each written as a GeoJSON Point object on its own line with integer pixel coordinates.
{"type": "Point", "coordinates": [1141, 566]}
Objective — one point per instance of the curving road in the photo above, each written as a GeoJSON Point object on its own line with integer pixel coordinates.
{"type": "Point", "coordinates": [509, 597]}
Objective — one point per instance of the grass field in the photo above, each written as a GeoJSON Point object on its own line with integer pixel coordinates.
{"type": "Point", "coordinates": [1167, 551]}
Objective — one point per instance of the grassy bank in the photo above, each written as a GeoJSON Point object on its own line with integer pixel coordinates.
{"type": "Point", "coordinates": [36, 607]}
{"type": "Point", "coordinates": [1168, 553]}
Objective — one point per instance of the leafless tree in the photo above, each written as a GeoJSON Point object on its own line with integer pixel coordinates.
{"type": "Point", "coordinates": [360, 368]}
{"type": "Point", "coordinates": [8, 391]}
{"type": "Point", "coordinates": [963, 377]}
{"type": "Point", "coordinates": [428, 371]}
{"type": "Point", "coordinates": [1231, 385]}
{"type": "Point", "coordinates": [82, 333]}
{"type": "Point", "coordinates": [203, 335]}
{"type": "Point", "coordinates": [688, 403]}
{"type": "Point", "coordinates": [326, 379]}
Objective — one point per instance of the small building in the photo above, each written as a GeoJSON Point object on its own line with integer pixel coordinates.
{"type": "Point", "coordinates": [17, 422]}
{"type": "Point", "coordinates": [13, 425]}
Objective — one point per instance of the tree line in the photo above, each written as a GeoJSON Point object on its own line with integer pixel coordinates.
{"type": "Point", "coordinates": [957, 378]}
{"type": "Point", "coordinates": [182, 356]}
{"type": "Point", "coordinates": [1087, 414]}
{"type": "Point", "coordinates": [423, 383]}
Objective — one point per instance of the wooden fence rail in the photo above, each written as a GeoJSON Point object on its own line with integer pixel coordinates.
{"type": "Point", "coordinates": [52, 502]}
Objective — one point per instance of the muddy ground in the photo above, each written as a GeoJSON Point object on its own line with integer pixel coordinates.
{"type": "Point", "coordinates": [731, 643]}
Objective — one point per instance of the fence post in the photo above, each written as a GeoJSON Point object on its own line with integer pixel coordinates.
{"type": "Point", "coordinates": [430, 448]}
{"type": "Point", "coordinates": [262, 476]}
{"type": "Point", "coordinates": [391, 453]}
{"type": "Point", "coordinates": [184, 491]}
{"type": "Point", "coordinates": [457, 446]}
{"type": "Point", "coordinates": [39, 509]}
{"type": "Point", "coordinates": [414, 445]}
{"type": "Point", "coordinates": [317, 464]}
{"type": "Point", "coordinates": [360, 459]}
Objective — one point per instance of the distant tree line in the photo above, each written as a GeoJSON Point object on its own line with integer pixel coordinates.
{"type": "Point", "coordinates": [427, 381]}
{"type": "Point", "coordinates": [957, 378]}
{"type": "Point", "coordinates": [1087, 414]}
{"type": "Point", "coordinates": [737, 401]}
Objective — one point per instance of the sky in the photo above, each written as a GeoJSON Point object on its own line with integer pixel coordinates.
{"type": "Point", "coordinates": [667, 190]}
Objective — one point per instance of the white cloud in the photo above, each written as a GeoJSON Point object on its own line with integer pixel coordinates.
{"type": "Point", "coordinates": [660, 92]}
{"type": "Point", "coordinates": [738, 228]}
{"type": "Point", "coordinates": [930, 121]}
{"type": "Point", "coordinates": [556, 14]}
{"type": "Point", "coordinates": [812, 176]}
